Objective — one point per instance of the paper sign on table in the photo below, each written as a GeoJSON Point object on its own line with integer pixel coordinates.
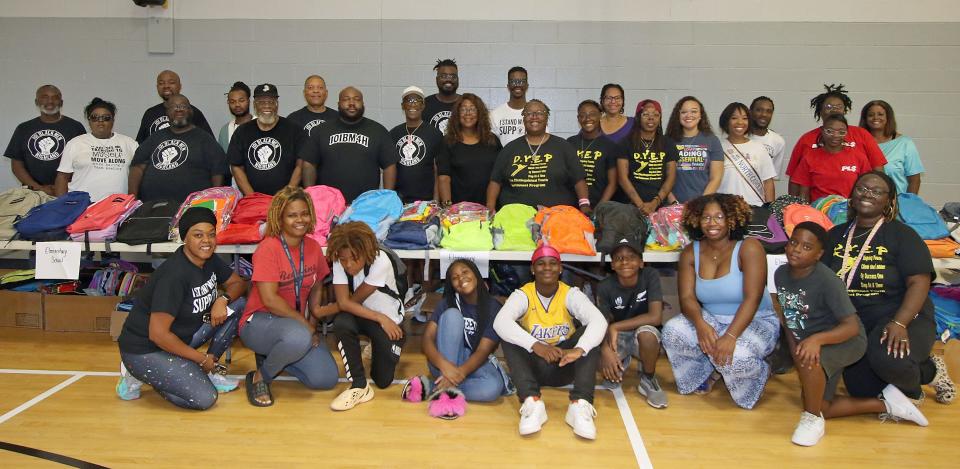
{"type": "Point", "coordinates": [58, 260]}
{"type": "Point", "coordinates": [481, 258]}
{"type": "Point", "coordinates": [774, 261]}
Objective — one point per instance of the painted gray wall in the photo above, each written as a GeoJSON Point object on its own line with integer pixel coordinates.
{"type": "Point", "coordinates": [911, 65]}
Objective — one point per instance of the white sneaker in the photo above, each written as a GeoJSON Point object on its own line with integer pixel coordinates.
{"type": "Point", "coordinates": [128, 387]}
{"type": "Point", "coordinates": [580, 416]}
{"type": "Point", "coordinates": [899, 407]}
{"type": "Point", "coordinates": [809, 431]}
{"type": "Point", "coordinates": [351, 397]}
{"type": "Point", "coordinates": [222, 383]}
{"type": "Point", "coordinates": [533, 414]}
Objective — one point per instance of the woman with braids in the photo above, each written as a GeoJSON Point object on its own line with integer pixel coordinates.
{"type": "Point", "coordinates": [649, 168]}
{"type": "Point", "coordinates": [834, 101]}
{"type": "Point", "coordinates": [831, 167]}
{"type": "Point", "coordinates": [470, 148]}
{"type": "Point", "coordinates": [280, 319]}
{"type": "Point", "coordinates": [369, 304]}
{"type": "Point", "coordinates": [728, 323]}
{"type": "Point", "coordinates": [614, 124]}
{"type": "Point", "coordinates": [903, 159]}
{"type": "Point", "coordinates": [887, 270]}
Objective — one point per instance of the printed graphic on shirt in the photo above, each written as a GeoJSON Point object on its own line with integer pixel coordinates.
{"type": "Point", "coordinates": [264, 153]}
{"type": "Point", "coordinates": [692, 157]}
{"type": "Point", "coordinates": [412, 150]}
{"type": "Point", "coordinates": [796, 309]}
{"type": "Point", "coordinates": [509, 127]}
{"type": "Point", "coordinates": [530, 170]}
{"type": "Point", "coordinates": [170, 154]}
{"type": "Point", "coordinates": [469, 326]}
{"type": "Point", "coordinates": [551, 334]}
{"type": "Point", "coordinates": [649, 165]}
{"type": "Point", "coordinates": [620, 303]}
{"type": "Point", "coordinates": [310, 125]}
{"type": "Point", "coordinates": [588, 159]}
{"type": "Point", "coordinates": [159, 123]}
{"type": "Point", "coordinates": [204, 295]}
{"type": "Point", "coordinates": [350, 137]}
{"type": "Point", "coordinates": [107, 157]}
{"type": "Point", "coordinates": [870, 271]}
{"type": "Point", "coordinates": [439, 120]}
{"type": "Point", "coordinates": [46, 145]}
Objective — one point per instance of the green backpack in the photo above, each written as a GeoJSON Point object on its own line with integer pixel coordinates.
{"type": "Point", "coordinates": [468, 236]}
{"type": "Point", "coordinates": [512, 228]}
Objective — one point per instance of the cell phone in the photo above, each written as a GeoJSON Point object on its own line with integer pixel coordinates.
{"type": "Point", "coordinates": [220, 369]}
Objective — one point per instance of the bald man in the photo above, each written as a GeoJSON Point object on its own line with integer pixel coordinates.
{"type": "Point", "coordinates": [349, 153]}
{"type": "Point", "coordinates": [37, 144]}
{"type": "Point", "coordinates": [155, 118]}
{"type": "Point", "coordinates": [316, 111]}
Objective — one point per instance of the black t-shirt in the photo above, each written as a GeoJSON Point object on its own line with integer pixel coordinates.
{"type": "Point", "coordinates": [40, 145]}
{"type": "Point", "coordinates": [416, 157]}
{"type": "Point", "coordinates": [648, 168]}
{"type": "Point", "coordinates": [349, 157]}
{"type": "Point", "coordinates": [307, 119]}
{"type": "Point", "coordinates": [812, 304]}
{"type": "Point", "coordinates": [436, 113]}
{"type": "Point", "coordinates": [268, 157]}
{"type": "Point", "coordinates": [620, 303]}
{"type": "Point", "coordinates": [597, 156]}
{"type": "Point", "coordinates": [469, 168]}
{"type": "Point", "coordinates": [155, 118]}
{"type": "Point", "coordinates": [180, 289]}
{"type": "Point", "coordinates": [879, 283]}
{"type": "Point", "coordinates": [178, 164]}
{"type": "Point", "coordinates": [545, 179]}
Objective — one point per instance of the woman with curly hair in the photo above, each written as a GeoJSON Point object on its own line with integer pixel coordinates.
{"type": "Point", "coordinates": [834, 100]}
{"type": "Point", "coordinates": [700, 155]}
{"type": "Point", "coordinates": [728, 323]}
{"type": "Point", "coordinates": [470, 149]}
{"type": "Point", "coordinates": [903, 159]}
{"type": "Point", "coordinates": [370, 305]}
{"type": "Point", "coordinates": [280, 319]}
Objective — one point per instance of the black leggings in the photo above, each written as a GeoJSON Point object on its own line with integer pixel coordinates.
{"type": "Point", "coordinates": [386, 353]}
{"type": "Point", "coordinates": [868, 377]}
{"type": "Point", "coordinates": [529, 371]}
{"type": "Point", "coordinates": [176, 379]}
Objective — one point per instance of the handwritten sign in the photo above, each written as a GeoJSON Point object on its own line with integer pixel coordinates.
{"type": "Point", "coordinates": [481, 258]}
{"type": "Point", "coordinates": [773, 262]}
{"type": "Point", "coordinates": [58, 260]}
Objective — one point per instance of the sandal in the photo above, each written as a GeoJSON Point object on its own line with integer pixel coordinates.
{"type": "Point", "coordinates": [257, 390]}
{"type": "Point", "coordinates": [707, 385]}
{"type": "Point", "coordinates": [416, 389]}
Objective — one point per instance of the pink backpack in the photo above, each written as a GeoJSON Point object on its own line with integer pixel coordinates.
{"type": "Point", "coordinates": [329, 204]}
{"type": "Point", "coordinates": [99, 221]}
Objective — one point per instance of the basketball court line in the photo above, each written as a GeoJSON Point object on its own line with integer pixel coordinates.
{"type": "Point", "coordinates": [633, 433]}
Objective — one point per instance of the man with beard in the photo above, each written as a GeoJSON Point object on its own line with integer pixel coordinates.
{"type": "Point", "coordinates": [177, 160]}
{"type": "Point", "coordinates": [263, 154]}
{"type": "Point", "coordinates": [761, 113]}
{"type": "Point", "coordinates": [238, 102]}
{"type": "Point", "coordinates": [348, 153]}
{"type": "Point", "coordinates": [316, 111]}
{"type": "Point", "coordinates": [437, 106]}
{"type": "Point", "coordinates": [506, 121]}
{"type": "Point", "coordinates": [37, 144]}
{"type": "Point", "coordinates": [155, 118]}
{"type": "Point", "coordinates": [416, 146]}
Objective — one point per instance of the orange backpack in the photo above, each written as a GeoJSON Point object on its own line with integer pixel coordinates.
{"type": "Point", "coordinates": [565, 229]}
{"type": "Point", "coordinates": [943, 248]}
{"type": "Point", "coordinates": [795, 214]}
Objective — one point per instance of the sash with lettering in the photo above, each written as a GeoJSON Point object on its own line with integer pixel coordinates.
{"type": "Point", "coordinates": [746, 170]}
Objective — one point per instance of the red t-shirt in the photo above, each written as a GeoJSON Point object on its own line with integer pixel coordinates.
{"type": "Point", "coordinates": [826, 173]}
{"type": "Point", "coordinates": [862, 139]}
{"type": "Point", "coordinates": [270, 264]}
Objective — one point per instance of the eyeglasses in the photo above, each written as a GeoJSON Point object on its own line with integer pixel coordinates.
{"type": "Point", "coordinates": [588, 115]}
{"type": "Point", "coordinates": [535, 114]}
{"type": "Point", "coordinates": [613, 98]}
{"type": "Point", "coordinates": [179, 107]}
{"type": "Point", "coordinates": [468, 111]}
{"type": "Point", "coordinates": [447, 76]}
{"type": "Point", "coordinates": [517, 82]}
{"type": "Point", "coordinates": [835, 133]}
{"type": "Point", "coordinates": [412, 100]}
{"type": "Point", "coordinates": [101, 118]}
{"type": "Point", "coordinates": [833, 107]}
{"type": "Point", "coordinates": [650, 115]}
{"type": "Point", "coordinates": [870, 192]}
{"type": "Point", "coordinates": [720, 218]}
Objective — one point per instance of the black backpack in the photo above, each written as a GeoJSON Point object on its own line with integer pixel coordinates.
{"type": "Point", "coordinates": [616, 221]}
{"type": "Point", "coordinates": [149, 224]}
{"type": "Point", "coordinates": [399, 275]}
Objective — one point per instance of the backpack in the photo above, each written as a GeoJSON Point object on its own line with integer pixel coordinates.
{"type": "Point", "coordinates": [419, 211]}
{"type": "Point", "coordinates": [242, 233]}
{"type": "Point", "coordinates": [513, 228]}
{"type": "Point", "coordinates": [399, 275]}
{"type": "Point", "coordinates": [49, 221]}
{"type": "Point", "coordinates": [464, 211]}
{"type": "Point", "coordinates": [148, 224]}
{"type": "Point", "coordinates": [944, 248]}
{"type": "Point", "coordinates": [99, 221]}
{"type": "Point", "coordinates": [221, 200]}
{"type": "Point", "coordinates": [413, 235]}
{"type": "Point", "coordinates": [667, 232]}
{"type": "Point", "coordinates": [795, 214]}
{"type": "Point", "coordinates": [764, 228]}
{"type": "Point", "coordinates": [780, 203]}
{"type": "Point", "coordinates": [328, 203]}
{"type": "Point", "coordinates": [923, 218]}
{"type": "Point", "coordinates": [378, 208]}
{"type": "Point", "coordinates": [616, 221]}
{"type": "Point", "coordinates": [252, 209]}
{"type": "Point", "coordinates": [468, 236]}
{"type": "Point", "coordinates": [946, 313]}
{"type": "Point", "coordinates": [14, 204]}
{"type": "Point", "coordinates": [566, 229]}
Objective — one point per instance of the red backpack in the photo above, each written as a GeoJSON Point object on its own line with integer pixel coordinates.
{"type": "Point", "coordinates": [252, 209]}
{"type": "Point", "coordinates": [104, 213]}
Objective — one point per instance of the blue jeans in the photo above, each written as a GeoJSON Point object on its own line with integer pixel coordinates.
{"type": "Point", "coordinates": [288, 346]}
{"type": "Point", "coordinates": [223, 334]}
{"type": "Point", "coordinates": [485, 384]}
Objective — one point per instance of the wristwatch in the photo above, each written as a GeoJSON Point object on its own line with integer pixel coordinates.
{"type": "Point", "coordinates": [225, 296]}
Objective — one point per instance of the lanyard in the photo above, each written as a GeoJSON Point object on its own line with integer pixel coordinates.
{"type": "Point", "coordinates": [847, 269]}
{"type": "Point", "coordinates": [297, 276]}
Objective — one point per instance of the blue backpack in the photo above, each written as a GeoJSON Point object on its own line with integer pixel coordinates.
{"type": "Point", "coordinates": [413, 235]}
{"type": "Point", "coordinates": [49, 221]}
{"type": "Point", "coordinates": [378, 208]}
{"type": "Point", "coordinates": [923, 218]}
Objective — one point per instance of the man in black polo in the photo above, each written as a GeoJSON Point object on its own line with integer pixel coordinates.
{"type": "Point", "coordinates": [177, 160]}
{"type": "Point", "coordinates": [37, 144]}
{"type": "Point", "coordinates": [437, 106]}
{"type": "Point", "coordinates": [155, 118]}
{"type": "Point", "coordinates": [316, 111]}
{"type": "Point", "coordinates": [263, 153]}
{"type": "Point", "coordinates": [348, 153]}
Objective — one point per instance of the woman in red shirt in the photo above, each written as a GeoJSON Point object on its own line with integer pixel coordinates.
{"type": "Point", "coordinates": [280, 320]}
{"type": "Point", "coordinates": [831, 166]}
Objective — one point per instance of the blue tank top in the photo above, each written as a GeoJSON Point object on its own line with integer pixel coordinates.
{"type": "Point", "coordinates": [722, 296]}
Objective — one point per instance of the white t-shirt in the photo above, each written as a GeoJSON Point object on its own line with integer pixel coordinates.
{"type": "Point", "coordinates": [775, 146]}
{"type": "Point", "coordinates": [507, 123]}
{"type": "Point", "coordinates": [733, 182]}
{"type": "Point", "coordinates": [99, 166]}
{"type": "Point", "coordinates": [381, 274]}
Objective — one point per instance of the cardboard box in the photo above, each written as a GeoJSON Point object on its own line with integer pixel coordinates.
{"type": "Point", "coordinates": [21, 309]}
{"type": "Point", "coordinates": [117, 318]}
{"type": "Point", "coordinates": [78, 313]}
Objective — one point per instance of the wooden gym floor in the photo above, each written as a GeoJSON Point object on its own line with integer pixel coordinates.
{"type": "Point", "coordinates": [57, 395]}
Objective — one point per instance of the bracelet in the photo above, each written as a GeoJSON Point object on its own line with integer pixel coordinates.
{"type": "Point", "coordinates": [899, 323]}
{"type": "Point", "coordinates": [583, 202]}
{"type": "Point", "coordinates": [731, 335]}
{"type": "Point", "coordinates": [205, 358]}
{"type": "Point", "coordinates": [658, 198]}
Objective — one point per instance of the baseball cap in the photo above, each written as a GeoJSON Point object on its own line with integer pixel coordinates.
{"type": "Point", "coordinates": [411, 90]}
{"type": "Point", "coordinates": [545, 251]}
{"type": "Point", "coordinates": [265, 89]}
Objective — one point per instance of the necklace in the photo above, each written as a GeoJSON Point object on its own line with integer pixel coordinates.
{"type": "Point", "coordinates": [582, 138]}
{"type": "Point", "coordinates": [533, 153]}
{"type": "Point", "coordinates": [409, 149]}
{"type": "Point", "coordinates": [646, 145]}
